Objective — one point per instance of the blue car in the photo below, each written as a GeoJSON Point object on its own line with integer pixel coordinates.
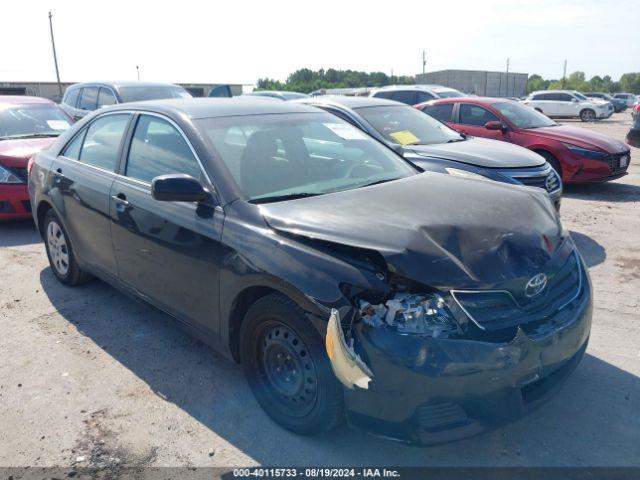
{"type": "Point", "coordinates": [432, 145]}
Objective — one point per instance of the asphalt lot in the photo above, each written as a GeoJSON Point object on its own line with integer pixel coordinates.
{"type": "Point", "coordinates": [89, 377]}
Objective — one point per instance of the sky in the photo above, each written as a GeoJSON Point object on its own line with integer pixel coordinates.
{"type": "Point", "coordinates": [242, 41]}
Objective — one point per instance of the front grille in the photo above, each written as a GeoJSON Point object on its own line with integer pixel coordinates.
{"type": "Point", "coordinates": [549, 182]}
{"type": "Point", "coordinates": [541, 177]}
{"type": "Point", "coordinates": [497, 309]}
{"type": "Point", "coordinates": [614, 162]}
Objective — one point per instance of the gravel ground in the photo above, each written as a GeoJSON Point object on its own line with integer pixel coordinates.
{"type": "Point", "coordinates": [89, 377]}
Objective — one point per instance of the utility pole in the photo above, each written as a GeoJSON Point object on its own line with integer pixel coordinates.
{"type": "Point", "coordinates": [564, 73]}
{"type": "Point", "coordinates": [138, 71]}
{"type": "Point", "coordinates": [424, 63]}
{"type": "Point", "coordinates": [55, 57]}
{"type": "Point", "coordinates": [506, 87]}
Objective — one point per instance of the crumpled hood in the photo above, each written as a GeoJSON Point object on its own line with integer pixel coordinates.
{"type": "Point", "coordinates": [16, 153]}
{"type": "Point", "coordinates": [481, 152]}
{"type": "Point", "coordinates": [581, 137]}
{"type": "Point", "coordinates": [437, 229]}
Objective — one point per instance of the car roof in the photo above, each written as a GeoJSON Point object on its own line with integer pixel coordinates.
{"type": "Point", "coordinates": [126, 83]}
{"type": "Point", "coordinates": [479, 100]}
{"type": "Point", "coordinates": [427, 87]}
{"type": "Point", "coordinates": [23, 100]}
{"type": "Point", "coordinates": [349, 102]}
{"type": "Point", "coordinates": [211, 107]}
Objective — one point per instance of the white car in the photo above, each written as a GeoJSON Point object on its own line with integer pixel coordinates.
{"type": "Point", "coordinates": [569, 103]}
{"type": "Point", "coordinates": [630, 98]}
{"type": "Point", "coordinates": [414, 94]}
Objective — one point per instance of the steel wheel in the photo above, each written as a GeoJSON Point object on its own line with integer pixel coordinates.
{"type": "Point", "coordinates": [288, 372]}
{"type": "Point", "coordinates": [58, 249]}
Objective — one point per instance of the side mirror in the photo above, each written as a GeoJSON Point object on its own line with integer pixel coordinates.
{"type": "Point", "coordinates": [575, 100]}
{"type": "Point", "coordinates": [178, 188]}
{"type": "Point", "coordinates": [495, 125]}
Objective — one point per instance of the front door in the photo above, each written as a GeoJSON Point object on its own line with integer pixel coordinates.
{"type": "Point", "coordinates": [169, 252]}
{"type": "Point", "coordinates": [472, 120]}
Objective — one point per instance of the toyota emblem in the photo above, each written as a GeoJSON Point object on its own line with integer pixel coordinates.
{"type": "Point", "coordinates": [535, 285]}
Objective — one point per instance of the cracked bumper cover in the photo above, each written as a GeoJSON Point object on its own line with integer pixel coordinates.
{"type": "Point", "coordinates": [427, 390]}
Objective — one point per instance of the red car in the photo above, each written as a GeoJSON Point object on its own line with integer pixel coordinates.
{"type": "Point", "coordinates": [27, 125]}
{"type": "Point", "coordinates": [579, 155]}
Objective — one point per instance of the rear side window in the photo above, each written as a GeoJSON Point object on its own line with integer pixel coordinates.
{"type": "Point", "coordinates": [106, 97]}
{"type": "Point", "coordinates": [71, 97]}
{"type": "Point", "coordinates": [157, 148]}
{"type": "Point", "coordinates": [563, 97]}
{"type": "Point", "coordinates": [541, 96]}
{"type": "Point", "coordinates": [423, 97]}
{"type": "Point", "coordinates": [405, 96]}
{"type": "Point", "coordinates": [383, 94]}
{"type": "Point", "coordinates": [99, 143]}
{"type": "Point", "coordinates": [440, 112]}
{"type": "Point", "coordinates": [88, 98]}
{"type": "Point", "coordinates": [475, 115]}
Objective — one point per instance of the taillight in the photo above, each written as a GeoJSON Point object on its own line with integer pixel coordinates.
{"type": "Point", "coordinates": [30, 165]}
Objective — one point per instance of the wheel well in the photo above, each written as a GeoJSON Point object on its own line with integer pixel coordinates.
{"type": "Point", "coordinates": [551, 158]}
{"type": "Point", "coordinates": [43, 208]}
{"type": "Point", "coordinates": [239, 308]}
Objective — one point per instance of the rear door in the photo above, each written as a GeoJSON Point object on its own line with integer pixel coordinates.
{"type": "Point", "coordinates": [169, 252]}
{"type": "Point", "coordinates": [83, 175]}
{"type": "Point", "coordinates": [545, 103]}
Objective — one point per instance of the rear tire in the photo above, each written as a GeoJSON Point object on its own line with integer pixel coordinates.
{"type": "Point", "coordinates": [587, 115]}
{"type": "Point", "coordinates": [287, 367]}
{"type": "Point", "coordinates": [60, 252]}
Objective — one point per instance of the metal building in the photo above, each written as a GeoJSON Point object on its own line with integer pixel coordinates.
{"type": "Point", "coordinates": [479, 82]}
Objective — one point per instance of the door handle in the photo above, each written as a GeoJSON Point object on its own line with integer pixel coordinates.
{"type": "Point", "coordinates": [121, 200]}
{"type": "Point", "coordinates": [58, 175]}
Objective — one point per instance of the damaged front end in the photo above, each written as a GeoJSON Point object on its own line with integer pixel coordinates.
{"type": "Point", "coordinates": [418, 368]}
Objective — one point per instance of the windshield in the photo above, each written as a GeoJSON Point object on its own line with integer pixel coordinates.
{"type": "Point", "coordinates": [407, 126]}
{"type": "Point", "coordinates": [449, 93]}
{"type": "Point", "coordinates": [581, 97]}
{"type": "Point", "coordinates": [136, 94]}
{"type": "Point", "coordinates": [522, 116]}
{"type": "Point", "coordinates": [22, 121]}
{"type": "Point", "coordinates": [280, 156]}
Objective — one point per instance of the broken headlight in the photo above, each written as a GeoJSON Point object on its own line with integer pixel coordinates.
{"type": "Point", "coordinates": [423, 314]}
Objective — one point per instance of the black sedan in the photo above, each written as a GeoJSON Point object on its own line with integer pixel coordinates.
{"type": "Point", "coordinates": [422, 306]}
{"type": "Point", "coordinates": [432, 145]}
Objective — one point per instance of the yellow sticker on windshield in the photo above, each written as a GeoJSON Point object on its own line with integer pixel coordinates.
{"type": "Point", "coordinates": [404, 137]}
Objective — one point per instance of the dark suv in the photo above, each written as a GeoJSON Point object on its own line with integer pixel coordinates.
{"type": "Point", "coordinates": [422, 306]}
{"type": "Point", "coordinates": [82, 98]}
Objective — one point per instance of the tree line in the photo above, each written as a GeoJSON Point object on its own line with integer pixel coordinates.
{"type": "Point", "coordinates": [629, 82]}
{"type": "Point", "coordinates": [306, 80]}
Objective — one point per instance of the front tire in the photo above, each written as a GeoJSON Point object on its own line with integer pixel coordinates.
{"type": "Point", "coordinates": [60, 252]}
{"type": "Point", "coordinates": [552, 160]}
{"type": "Point", "coordinates": [587, 115]}
{"type": "Point", "coordinates": [287, 367]}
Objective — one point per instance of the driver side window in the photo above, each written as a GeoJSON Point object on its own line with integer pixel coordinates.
{"type": "Point", "coordinates": [475, 115]}
{"type": "Point", "coordinates": [157, 148]}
